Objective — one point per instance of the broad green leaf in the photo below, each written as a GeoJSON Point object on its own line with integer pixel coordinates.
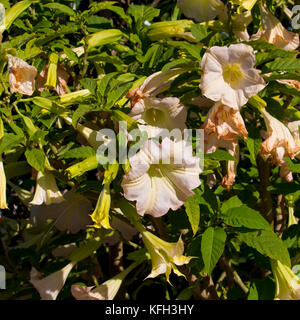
{"type": "Point", "coordinates": [85, 249]}
{"type": "Point", "coordinates": [285, 64]}
{"type": "Point", "coordinates": [199, 31]}
{"type": "Point", "coordinates": [36, 158]}
{"type": "Point", "coordinates": [60, 7]}
{"type": "Point", "coordinates": [142, 13]}
{"type": "Point", "coordinates": [192, 210]}
{"type": "Point", "coordinates": [220, 155]}
{"type": "Point", "coordinates": [16, 169]}
{"type": "Point", "coordinates": [15, 11]}
{"type": "Point", "coordinates": [266, 243]}
{"type": "Point", "coordinates": [295, 167]}
{"type": "Point", "coordinates": [212, 247]}
{"type": "Point", "coordinates": [79, 112]}
{"type": "Point", "coordinates": [244, 216]}
{"type": "Point", "coordinates": [79, 153]}
{"type": "Point", "coordinates": [233, 202]}
{"type": "Point", "coordinates": [9, 141]}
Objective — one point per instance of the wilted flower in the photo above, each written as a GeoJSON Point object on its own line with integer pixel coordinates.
{"type": "Point", "coordinates": [160, 112]}
{"type": "Point", "coordinates": [287, 283]}
{"type": "Point", "coordinates": [105, 291]}
{"type": "Point", "coordinates": [201, 10]}
{"type": "Point", "coordinates": [46, 191]}
{"type": "Point", "coordinates": [279, 144]}
{"type": "Point", "coordinates": [274, 32]}
{"type": "Point", "coordinates": [239, 25]}
{"type": "Point", "coordinates": [100, 216]}
{"type": "Point", "coordinates": [162, 176]}
{"type": "Point", "coordinates": [165, 256]}
{"type": "Point", "coordinates": [50, 286]}
{"type": "Point", "coordinates": [91, 136]}
{"type": "Point", "coordinates": [225, 123]}
{"type": "Point", "coordinates": [229, 76]}
{"type": "Point", "coordinates": [61, 81]}
{"type": "Point", "coordinates": [222, 127]}
{"type": "Point", "coordinates": [3, 204]}
{"type": "Point", "coordinates": [21, 76]}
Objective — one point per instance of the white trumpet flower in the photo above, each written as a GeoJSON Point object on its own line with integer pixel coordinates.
{"type": "Point", "coordinates": [46, 191]}
{"type": "Point", "coordinates": [159, 112]}
{"type": "Point", "coordinates": [50, 286]}
{"type": "Point", "coordinates": [229, 75]}
{"type": "Point", "coordinates": [162, 176]}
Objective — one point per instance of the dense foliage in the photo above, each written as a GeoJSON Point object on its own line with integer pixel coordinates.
{"type": "Point", "coordinates": [66, 222]}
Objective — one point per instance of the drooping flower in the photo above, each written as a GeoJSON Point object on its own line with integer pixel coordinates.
{"type": "Point", "coordinates": [71, 214]}
{"type": "Point", "coordinates": [100, 216]}
{"type": "Point", "coordinates": [50, 286]}
{"type": "Point", "coordinates": [225, 123]}
{"type": "Point", "coordinates": [222, 127]}
{"type": "Point", "coordinates": [239, 25]}
{"type": "Point", "coordinates": [274, 32]}
{"type": "Point", "coordinates": [61, 83]}
{"type": "Point", "coordinates": [229, 75]}
{"type": "Point", "coordinates": [46, 191]}
{"type": "Point", "coordinates": [279, 144]}
{"type": "Point", "coordinates": [91, 136]}
{"type": "Point", "coordinates": [21, 76]}
{"type": "Point", "coordinates": [159, 112]}
{"type": "Point", "coordinates": [105, 291]}
{"type": "Point", "coordinates": [162, 176]}
{"type": "Point", "coordinates": [3, 204]}
{"type": "Point", "coordinates": [165, 256]}
{"type": "Point", "coordinates": [201, 10]}
{"type": "Point", "coordinates": [287, 283]}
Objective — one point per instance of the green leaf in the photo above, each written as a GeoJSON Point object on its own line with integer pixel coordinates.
{"type": "Point", "coordinates": [212, 247]}
{"type": "Point", "coordinates": [192, 210]}
{"type": "Point", "coordinates": [262, 57]}
{"type": "Point", "coordinates": [295, 167]}
{"type": "Point", "coordinates": [79, 153]}
{"type": "Point", "coordinates": [244, 216]}
{"type": "Point", "coordinates": [220, 155]}
{"type": "Point", "coordinates": [9, 141]}
{"type": "Point", "coordinates": [60, 7]}
{"type": "Point", "coordinates": [85, 249]}
{"type": "Point", "coordinates": [15, 11]}
{"type": "Point", "coordinates": [286, 64]}
{"type": "Point", "coordinates": [153, 55]}
{"type": "Point", "coordinates": [199, 31]}
{"type": "Point", "coordinates": [267, 243]}
{"type": "Point", "coordinates": [36, 158]}
{"type": "Point", "coordinates": [79, 112]}
{"type": "Point", "coordinates": [233, 202]}
{"type": "Point", "coordinates": [72, 56]}
{"type": "Point", "coordinates": [141, 13]}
